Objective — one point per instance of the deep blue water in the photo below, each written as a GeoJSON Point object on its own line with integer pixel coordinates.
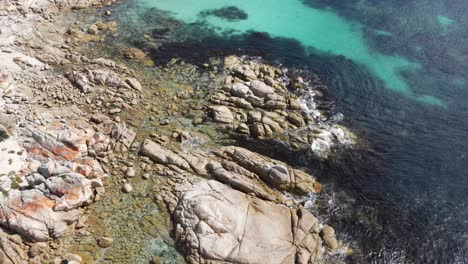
{"type": "Point", "coordinates": [405, 198]}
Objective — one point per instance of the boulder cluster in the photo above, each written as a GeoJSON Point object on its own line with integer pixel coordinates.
{"type": "Point", "coordinates": [263, 101]}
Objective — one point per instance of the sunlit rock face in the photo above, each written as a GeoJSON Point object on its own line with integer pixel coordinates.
{"type": "Point", "coordinates": [46, 176]}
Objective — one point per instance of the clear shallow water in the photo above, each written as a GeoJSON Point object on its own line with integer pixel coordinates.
{"type": "Point", "coordinates": [396, 69]}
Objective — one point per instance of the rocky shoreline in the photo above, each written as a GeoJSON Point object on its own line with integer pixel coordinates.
{"type": "Point", "coordinates": [78, 133]}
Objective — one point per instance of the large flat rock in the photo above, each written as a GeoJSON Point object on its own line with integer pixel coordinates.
{"type": "Point", "coordinates": [217, 223]}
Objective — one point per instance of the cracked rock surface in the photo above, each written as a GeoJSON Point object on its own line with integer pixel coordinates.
{"type": "Point", "coordinates": [232, 208]}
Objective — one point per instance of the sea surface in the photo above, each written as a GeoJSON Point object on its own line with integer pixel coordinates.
{"type": "Point", "coordinates": [398, 72]}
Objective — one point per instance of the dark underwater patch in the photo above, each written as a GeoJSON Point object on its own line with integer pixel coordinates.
{"type": "Point", "coordinates": [230, 13]}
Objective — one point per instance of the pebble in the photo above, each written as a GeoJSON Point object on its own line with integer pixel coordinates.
{"type": "Point", "coordinates": [73, 257]}
{"type": "Point", "coordinates": [197, 120]}
{"type": "Point", "coordinates": [127, 188]}
{"type": "Point", "coordinates": [105, 242]}
{"type": "Point", "coordinates": [130, 173]}
{"type": "Point", "coordinates": [93, 30]}
{"type": "Point", "coordinates": [115, 110]}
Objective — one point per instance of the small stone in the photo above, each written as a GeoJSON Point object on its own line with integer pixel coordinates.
{"type": "Point", "coordinates": [105, 242]}
{"type": "Point", "coordinates": [98, 118]}
{"type": "Point", "coordinates": [146, 176]}
{"type": "Point", "coordinates": [134, 84]}
{"type": "Point", "coordinates": [197, 120]}
{"type": "Point", "coordinates": [115, 110]}
{"type": "Point", "coordinates": [108, 13]}
{"type": "Point", "coordinates": [130, 173]}
{"type": "Point", "coordinates": [93, 30]}
{"type": "Point", "coordinates": [73, 257]}
{"type": "Point", "coordinates": [127, 188]}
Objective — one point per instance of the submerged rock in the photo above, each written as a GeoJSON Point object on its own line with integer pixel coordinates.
{"type": "Point", "coordinates": [230, 13]}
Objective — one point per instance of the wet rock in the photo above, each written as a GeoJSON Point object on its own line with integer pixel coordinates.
{"type": "Point", "coordinates": [327, 231]}
{"type": "Point", "coordinates": [331, 243]}
{"type": "Point", "coordinates": [296, 119]}
{"type": "Point", "coordinates": [294, 104]}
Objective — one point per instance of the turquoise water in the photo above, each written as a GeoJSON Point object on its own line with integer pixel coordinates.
{"type": "Point", "coordinates": [322, 30]}
{"type": "Point", "coordinates": [389, 66]}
